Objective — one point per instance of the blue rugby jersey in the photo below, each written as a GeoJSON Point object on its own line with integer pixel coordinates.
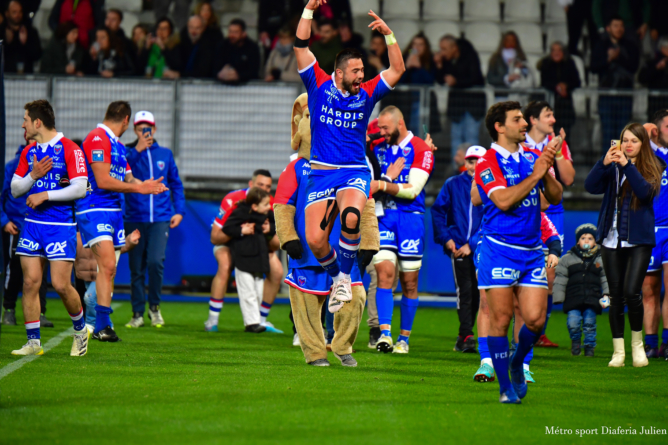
{"type": "Point", "coordinates": [565, 151]}
{"type": "Point", "coordinates": [499, 169]}
{"type": "Point", "coordinates": [416, 154]}
{"type": "Point", "coordinates": [338, 121]}
{"type": "Point", "coordinates": [661, 201]}
{"type": "Point", "coordinates": [101, 145]}
{"type": "Point", "coordinates": [69, 161]}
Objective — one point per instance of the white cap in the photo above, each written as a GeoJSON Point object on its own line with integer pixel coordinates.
{"type": "Point", "coordinates": [475, 151]}
{"type": "Point", "coordinates": [144, 117]}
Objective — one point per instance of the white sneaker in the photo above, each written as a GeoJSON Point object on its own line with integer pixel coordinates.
{"type": "Point", "coordinates": [90, 328]}
{"type": "Point", "coordinates": [342, 289]}
{"type": "Point", "coordinates": [156, 318]}
{"type": "Point", "coordinates": [295, 340]}
{"type": "Point", "coordinates": [384, 344]}
{"type": "Point", "coordinates": [400, 348]}
{"type": "Point", "coordinates": [33, 347]}
{"type": "Point", "coordinates": [135, 322]}
{"type": "Point", "coordinates": [80, 344]}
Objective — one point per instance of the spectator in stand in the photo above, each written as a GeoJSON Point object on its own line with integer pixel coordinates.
{"type": "Point", "coordinates": [634, 13]}
{"type": "Point", "coordinates": [579, 12]}
{"type": "Point", "coordinates": [654, 75]}
{"type": "Point", "coordinates": [30, 8]}
{"type": "Point", "coordinates": [615, 59]}
{"type": "Point", "coordinates": [163, 54]}
{"type": "Point", "coordinates": [161, 9]}
{"type": "Point", "coordinates": [508, 67]}
{"type": "Point", "coordinates": [378, 59]}
{"type": "Point", "coordinates": [153, 216]}
{"type": "Point", "coordinates": [212, 30]}
{"type": "Point", "coordinates": [658, 24]}
{"type": "Point", "coordinates": [273, 15]}
{"type": "Point", "coordinates": [420, 66]}
{"type": "Point", "coordinates": [22, 44]}
{"type": "Point", "coordinates": [87, 14]}
{"type": "Point", "coordinates": [112, 22]}
{"type": "Point", "coordinates": [328, 46]}
{"type": "Point", "coordinates": [458, 67]}
{"type": "Point", "coordinates": [195, 53]}
{"type": "Point", "coordinates": [63, 55]}
{"type": "Point", "coordinates": [140, 48]}
{"type": "Point", "coordinates": [559, 74]}
{"type": "Point", "coordinates": [282, 63]}
{"type": "Point", "coordinates": [351, 39]}
{"type": "Point", "coordinates": [238, 57]}
{"type": "Point", "coordinates": [107, 57]}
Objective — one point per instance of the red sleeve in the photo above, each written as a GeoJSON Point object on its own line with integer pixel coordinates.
{"type": "Point", "coordinates": [566, 152]}
{"type": "Point", "coordinates": [287, 185]}
{"type": "Point", "coordinates": [227, 206]}
{"type": "Point", "coordinates": [488, 174]}
{"type": "Point", "coordinates": [97, 146]}
{"type": "Point", "coordinates": [320, 75]}
{"type": "Point", "coordinates": [424, 157]}
{"type": "Point", "coordinates": [128, 169]}
{"type": "Point", "coordinates": [74, 160]}
{"type": "Point", "coordinates": [370, 85]}
{"type": "Point", "coordinates": [547, 229]}
{"type": "Point", "coordinates": [23, 167]}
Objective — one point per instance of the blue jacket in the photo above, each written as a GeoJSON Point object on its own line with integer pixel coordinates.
{"type": "Point", "coordinates": [603, 179]}
{"type": "Point", "coordinates": [12, 209]}
{"type": "Point", "coordinates": [155, 161]}
{"type": "Point", "coordinates": [452, 215]}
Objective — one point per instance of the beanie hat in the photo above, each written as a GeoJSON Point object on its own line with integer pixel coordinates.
{"type": "Point", "coordinates": [585, 228]}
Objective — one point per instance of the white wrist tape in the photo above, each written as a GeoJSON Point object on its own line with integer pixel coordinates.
{"type": "Point", "coordinates": [417, 179]}
{"type": "Point", "coordinates": [308, 14]}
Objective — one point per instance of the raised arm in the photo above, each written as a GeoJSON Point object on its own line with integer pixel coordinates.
{"type": "Point", "coordinates": [397, 67]}
{"type": "Point", "coordinates": [302, 52]}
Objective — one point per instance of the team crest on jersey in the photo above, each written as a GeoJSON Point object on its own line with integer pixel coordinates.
{"type": "Point", "coordinates": [529, 157]}
{"type": "Point", "coordinates": [301, 281]}
{"type": "Point", "coordinates": [487, 176]}
{"type": "Point", "coordinates": [57, 149]}
{"type": "Point", "coordinates": [406, 151]}
{"type": "Point", "coordinates": [98, 155]}
{"type": "Point", "coordinates": [161, 165]}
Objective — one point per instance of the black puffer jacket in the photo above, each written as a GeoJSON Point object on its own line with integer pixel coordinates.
{"type": "Point", "coordinates": [249, 252]}
{"type": "Point", "coordinates": [580, 281]}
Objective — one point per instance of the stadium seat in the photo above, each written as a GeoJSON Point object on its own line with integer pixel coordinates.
{"type": "Point", "coordinates": [482, 10]}
{"type": "Point", "coordinates": [441, 10]}
{"type": "Point", "coordinates": [48, 5]}
{"type": "Point", "coordinates": [579, 64]}
{"type": "Point", "coordinates": [532, 61]}
{"type": "Point", "coordinates": [123, 5]}
{"type": "Point", "coordinates": [404, 30]}
{"type": "Point", "coordinates": [484, 37]}
{"type": "Point", "coordinates": [435, 30]}
{"type": "Point", "coordinates": [525, 11]}
{"type": "Point", "coordinates": [557, 33]}
{"type": "Point", "coordinates": [531, 38]}
{"type": "Point", "coordinates": [130, 19]}
{"type": "Point", "coordinates": [249, 18]}
{"type": "Point", "coordinates": [484, 57]}
{"type": "Point", "coordinates": [41, 23]}
{"type": "Point", "coordinates": [405, 9]}
{"type": "Point", "coordinates": [362, 7]}
{"type": "Point", "coordinates": [554, 12]}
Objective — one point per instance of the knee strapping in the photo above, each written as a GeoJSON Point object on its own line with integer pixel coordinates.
{"type": "Point", "coordinates": [409, 266]}
{"type": "Point", "coordinates": [385, 255]}
{"type": "Point", "coordinates": [327, 219]}
{"type": "Point", "coordinates": [344, 221]}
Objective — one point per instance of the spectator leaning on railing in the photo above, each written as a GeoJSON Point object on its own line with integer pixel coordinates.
{"type": "Point", "coordinates": [163, 54]}
{"type": "Point", "coordinates": [282, 63]}
{"type": "Point", "coordinates": [64, 55]}
{"type": "Point", "coordinates": [22, 44]}
{"type": "Point", "coordinates": [107, 57]}
{"type": "Point", "coordinates": [238, 57]}
{"type": "Point", "coordinates": [195, 53]}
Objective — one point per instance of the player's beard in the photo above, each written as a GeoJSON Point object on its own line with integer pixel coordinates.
{"type": "Point", "coordinates": [350, 87]}
{"type": "Point", "coordinates": [394, 138]}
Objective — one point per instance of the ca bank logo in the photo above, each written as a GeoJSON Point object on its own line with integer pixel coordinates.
{"type": "Point", "coordinates": [56, 249]}
{"type": "Point", "coordinates": [410, 245]}
{"type": "Point", "coordinates": [357, 182]}
{"type": "Point", "coordinates": [105, 228]}
{"type": "Point", "coordinates": [121, 236]}
{"type": "Point", "coordinates": [505, 273]}
{"type": "Point", "coordinates": [539, 275]}
{"type": "Point", "coordinates": [28, 244]}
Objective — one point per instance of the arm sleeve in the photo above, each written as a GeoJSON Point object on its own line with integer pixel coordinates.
{"type": "Point", "coordinates": [76, 190]}
{"type": "Point", "coordinates": [76, 162]}
{"type": "Point", "coordinates": [176, 187]}
{"type": "Point", "coordinates": [547, 230]}
{"type": "Point", "coordinates": [488, 175]}
{"type": "Point", "coordinates": [554, 246]}
{"type": "Point", "coordinates": [439, 216]}
{"type": "Point", "coordinates": [604, 280]}
{"type": "Point", "coordinates": [560, 281]}
{"type": "Point", "coordinates": [21, 185]}
{"type": "Point", "coordinates": [417, 179]}
{"type": "Point", "coordinates": [226, 208]}
{"type": "Point", "coordinates": [641, 188]}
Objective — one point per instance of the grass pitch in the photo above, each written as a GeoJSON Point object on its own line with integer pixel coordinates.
{"type": "Point", "coordinates": [180, 385]}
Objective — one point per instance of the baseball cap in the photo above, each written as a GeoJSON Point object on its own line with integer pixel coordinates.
{"type": "Point", "coordinates": [144, 117]}
{"type": "Point", "coordinates": [475, 151]}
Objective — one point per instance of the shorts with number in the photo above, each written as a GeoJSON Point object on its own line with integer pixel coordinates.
{"type": "Point", "coordinates": [502, 265]}
{"type": "Point", "coordinates": [314, 280]}
{"type": "Point", "coordinates": [403, 234]}
{"type": "Point", "coordinates": [325, 184]}
{"type": "Point", "coordinates": [96, 226]}
{"type": "Point", "coordinates": [51, 241]}
{"type": "Point", "coordinates": [660, 251]}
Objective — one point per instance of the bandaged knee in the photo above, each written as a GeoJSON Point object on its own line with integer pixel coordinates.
{"type": "Point", "coordinates": [349, 241]}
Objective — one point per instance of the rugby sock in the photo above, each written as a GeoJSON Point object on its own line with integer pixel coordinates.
{"type": "Point", "coordinates": [527, 359]}
{"type": "Point", "coordinates": [549, 311]}
{"type": "Point", "coordinates": [102, 319]}
{"type": "Point", "coordinates": [78, 320]}
{"type": "Point", "coordinates": [498, 348]}
{"type": "Point", "coordinates": [408, 310]}
{"type": "Point", "coordinates": [264, 311]}
{"type": "Point", "coordinates": [349, 248]}
{"type": "Point", "coordinates": [483, 349]}
{"type": "Point", "coordinates": [32, 330]}
{"type": "Point", "coordinates": [524, 346]}
{"type": "Point", "coordinates": [664, 336]}
{"type": "Point", "coordinates": [330, 263]}
{"type": "Point", "coordinates": [526, 366]}
{"type": "Point", "coordinates": [215, 307]}
{"type": "Point", "coordinates": [385, 305]}
{"type": "Point", "coordinates": [652, 340]}
{"type": "Point", "coordinates": [402, 338]}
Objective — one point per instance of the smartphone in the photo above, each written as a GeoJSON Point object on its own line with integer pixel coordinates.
{"type": "Point", "coordinates": [146, 132]}
{"type": "Point", "coordinates": [425, 129]}
{"type": "Point", "coordinates": [616, 144]}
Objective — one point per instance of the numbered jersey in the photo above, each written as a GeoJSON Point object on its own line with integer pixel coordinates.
{"type": "Point", "coordinates": [338, 120]}
{"type": "Point", "coordinates": [416, 154]}
{"type": "Point", "coordinates": [68, 162]}
{"type": "Point", "coordinates": [101, 145]}
{"type": "Point", "coordinates": [519, 226]}
{"type": "Point", "coordinates": [661, 201]}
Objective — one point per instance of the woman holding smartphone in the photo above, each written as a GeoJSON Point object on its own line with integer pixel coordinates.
{"type": "Point", "coordinates": [629, 177]}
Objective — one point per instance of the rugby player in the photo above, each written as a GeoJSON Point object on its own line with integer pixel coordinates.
{"type": "Point", "coordinates": [340, 105]}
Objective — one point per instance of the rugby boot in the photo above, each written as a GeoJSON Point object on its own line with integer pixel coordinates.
{"type": "Point", "coordinates": [107, 334]}
{"type": "Point", "coordinates": [484, 374]}
{"type": "Point", "coordinates": [400, 348]}
{"type": "Point", "coordinates": [80, 343]}
{"type": "Point", "coordinates": [33, 347]}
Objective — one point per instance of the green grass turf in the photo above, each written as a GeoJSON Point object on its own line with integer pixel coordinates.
{"type": "Point", "coordinates": [180, 385]}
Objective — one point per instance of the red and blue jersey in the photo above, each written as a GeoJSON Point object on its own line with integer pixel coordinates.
{"type": "Point", "coordinates": [661, 201]}
{"type": "Point", "coordinates": [548, 232]}
{"type": "Point", "coordinates": [416, 154]}
{"type": "Point", "coordinates": [339, 121]}
{"type": "Point", "coordinates": [566, 153]}
{"type": "Point", "coordinates": [230, 203]}
{"type": "Point", "coordinates": [520, 226]}
{"type": "Point", "coordinates": [101, 145]}
{"type": "Point", "coordinates": [68, 161]}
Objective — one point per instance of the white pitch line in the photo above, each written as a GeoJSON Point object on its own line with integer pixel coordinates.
{"type": "Point", "coordinates": [55, 341]}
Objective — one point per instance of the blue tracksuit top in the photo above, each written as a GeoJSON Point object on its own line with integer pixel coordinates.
{"type": "Point", "coordinates": [452, 215]}
{"type": "Point", "coordinates": [12, 209]}
{"type": "Point", "coordinates": [154, 162]}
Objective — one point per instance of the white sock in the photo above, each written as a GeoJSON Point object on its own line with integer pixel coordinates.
{"type": "Point", "coordinates": [263, 319]}
{"type": "Point", "coordinates": [487, 361]}
{"type": "Point", "coordinates": [526, 367]}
